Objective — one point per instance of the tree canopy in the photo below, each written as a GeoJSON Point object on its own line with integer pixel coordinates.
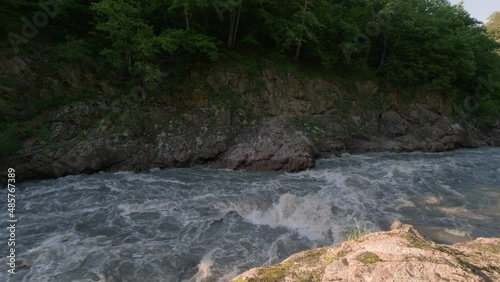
{"type": "Point", "coordinates": [405, 42]}
{"type": "Point", "coordinates": [493, 25]}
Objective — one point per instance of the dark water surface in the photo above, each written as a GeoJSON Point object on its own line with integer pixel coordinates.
{"type": "Point", "coordinates": [200, 224]}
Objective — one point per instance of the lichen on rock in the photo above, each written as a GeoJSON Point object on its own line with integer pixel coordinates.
{"type": "Point", "coordinates": [401, 254]}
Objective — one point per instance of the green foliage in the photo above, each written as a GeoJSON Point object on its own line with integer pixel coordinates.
{"type": "Point", "coordinates": [38, 106]}
{"type": "Point", "coordinates": [75, 50]}
{"type": "Point", "coordinates": [430, 44]}
{"type": "Point", "coordinates": [488, 113]}
{"type": "Point", "coordinates": [40, 130]}
{"type": "Point", "coordinates": [7, 8]}
{"type": "Point", "coordinates": [69, 99]}
{"type": "Point", "coordinates": [188, 7]}
{"type": "Point", "coordinates": [9, 140]}
{"type": "Point", "coordinates": [249, 41]}
{"type": "Point", "coordinates": [227, 97]}
{"type": "Point", "coordinates": [493, 25]}
{"type": "Point", "coordinates": [11, 11]}
{"type": "Point", "coordinates": [130, 37]}
{"type": "Point", "coordinates": [186, 41]}
{"type": "Point", "coordinates": [295, 30]}
{"type": "Point", "coordinates": [7, 81]}
{"type": "Point", "coordinates": [133, 44]}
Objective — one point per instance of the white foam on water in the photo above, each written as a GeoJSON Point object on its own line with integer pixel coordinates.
{"type": "Point", "coordinates": [122, 173]}
{"type": "Point", "coordinates": [230, 274]}
{"type": "Point", "coordinates": [332, 177]}
{"type": "Point", "coordinates": [273, 250]}
{"type": "Point", "coordinates": [404, 202]}
{"type": "Point", "coordinates": [337, 191]}
{"type": "Point", "coordinates": [159, 206]}
{"type": "Point", "coordinates": [461, 212]}
{"type": "Point", "coordinates": [58, 254]}
{"type": "Point", "coordinates": [309, 216]}
{"type": "Point", "coordinates": [433, 199]}
{"type": "Point", "coordinates": [448, 188]}
{"type": "Point", "coordinates": [204, 267]}
{"type": "Point", "coordinates": [317, 205]}
{"type": "Point", "coordinates": [205, 197]}
{"type": "Point", "coordinates": [458, 232]}
{"type": "Point", "coordinates": [151, 178]}
{"type": "Point", "coordinates": [400, 168]}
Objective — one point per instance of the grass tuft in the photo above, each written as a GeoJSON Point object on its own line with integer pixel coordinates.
{"type": "Point", "coordinates": [358, 232]}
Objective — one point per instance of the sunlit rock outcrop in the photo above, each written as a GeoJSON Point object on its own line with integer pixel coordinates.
{"type": "Point", "coordinates": [401, 254]}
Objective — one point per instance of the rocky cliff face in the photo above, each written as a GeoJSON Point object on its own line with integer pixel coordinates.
{"type": "Point", "coordinates": [227, 119]}
{"type": "Point", "coordinates": [401, 254]}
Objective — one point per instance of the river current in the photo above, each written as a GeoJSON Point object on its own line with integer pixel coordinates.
{"type": "Point", "coordinates": [201, 224]}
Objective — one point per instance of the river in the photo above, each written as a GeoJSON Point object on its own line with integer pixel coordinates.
{"type": "Point", "coordinates": [200, 224]}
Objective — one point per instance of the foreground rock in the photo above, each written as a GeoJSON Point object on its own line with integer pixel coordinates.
{"type": "Point", "coordinates": [401, 254]}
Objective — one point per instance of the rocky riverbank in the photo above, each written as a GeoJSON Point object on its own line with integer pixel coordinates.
{"type": "Point", "coordinates": [227, 119]}
{"type": "Point", "coordinates": [276, 143]}
{"type": "Point", "coordinates": [401, 254]}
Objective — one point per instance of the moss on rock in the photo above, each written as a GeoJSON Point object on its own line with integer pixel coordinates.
{"type": "Point", "coordinates": [368, 257]}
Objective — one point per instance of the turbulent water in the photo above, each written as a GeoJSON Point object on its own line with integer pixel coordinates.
{"type": "Point", "coordinates": [201, 224]}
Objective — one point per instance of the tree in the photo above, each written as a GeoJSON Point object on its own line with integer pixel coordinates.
{"type": "Point", "coordinates": [223, 6]}
{"type": "Point", "coordinates": [133, 44]}
{"type": "Point", "coordinates": [493, 25]}
{"type": "Point", "coordinates": [8, 12]}
{"type": "Point", "coordinates": [291, 31]}
{"type": "Point", "coordinates": [131, 38]}
{"type": "Point", "coordinates": [301, 34]}
{"type": "Point", "coordinates": [431, 43]}
{"type": "Point", "coordinates": [12, 12]}
{"type": "Point", "coordinates": [187, 7]}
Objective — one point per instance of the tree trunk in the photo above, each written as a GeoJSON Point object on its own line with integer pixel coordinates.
{"type": "Point", "coordinates": [237, 23]}
{"type": "Point", "coordinates": [382, 61]}
{"type": "Point", "coordinates": [234, 23]}
{"type": "Point", "coordinates": [299, 43]}
{"type": "Point", "coordinates": [297, 51]}
{"type": "Point", "coordinates": [231, 29]}
{"type": "Point", "coordinates": [128, 58]}
{"type": "Point", "coordinates": [187, 18]}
